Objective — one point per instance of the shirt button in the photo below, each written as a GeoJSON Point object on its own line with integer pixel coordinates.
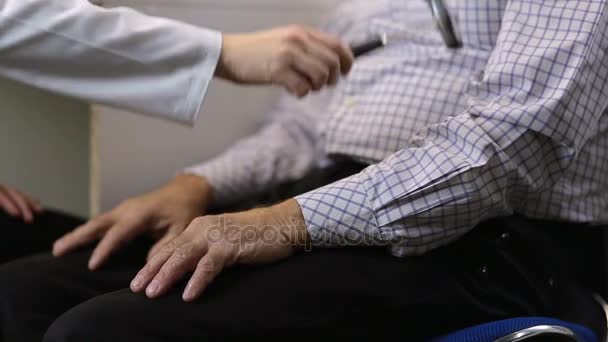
{"type": "Point", "coordinates": [350, 102]}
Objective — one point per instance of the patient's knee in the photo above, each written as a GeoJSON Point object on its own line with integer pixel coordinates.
{"type": "Point", "coordinates": [18, 301]}
{"type": "Point", "coordinates": [15, 286]}
{"type": "Point", "coordinates": [98, 319]}
{"type": "Point", "coordinates": [74, 325]}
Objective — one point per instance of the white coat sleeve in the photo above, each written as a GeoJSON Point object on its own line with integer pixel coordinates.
{"type": "Point", "coordinates": [116, 57]}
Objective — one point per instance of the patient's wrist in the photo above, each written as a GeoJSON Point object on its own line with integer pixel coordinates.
{"type": "Point", "coordinates": [288, 216]}
{"type": "Point", "coordinates": [196, 186]}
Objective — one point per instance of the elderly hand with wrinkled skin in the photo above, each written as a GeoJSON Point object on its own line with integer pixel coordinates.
{"type": "Point", "coordinates": [213, 243]}
{"type": "Point", "coordinates": [162, 214]}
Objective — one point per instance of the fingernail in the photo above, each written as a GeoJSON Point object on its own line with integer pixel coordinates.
{"type": "Point", "coordinates": [136, 283]}
{"type": "Point", "coordinates": [93, 263]}
{"type": "Point", "coordinates": [187, 296]}
{"type": "Point", "coordinates": [152, 289]}
{"type": "Point", "coordinates": [57, 247]}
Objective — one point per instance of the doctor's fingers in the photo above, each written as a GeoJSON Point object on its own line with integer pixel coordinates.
{"type": "Point", "coordinates": [317, 56]}
{"type": "Point", "coordinates": [316, 72]}
{"type": "Point", "coordinates": [296, 59]}
{"type": "Point", "coordinates": [329, 59]}
{"type": "Point", "coordinates": [83, 235]}
{"type": "Point", "coordinates": [333, 44]}
{"type": "Point", "coordinates": [295, 83]}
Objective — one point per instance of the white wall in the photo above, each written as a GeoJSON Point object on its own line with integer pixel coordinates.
{"type": "Point", "coordinates": [44, 146]}
{"type": "Point", "coordinates": [135, 153]}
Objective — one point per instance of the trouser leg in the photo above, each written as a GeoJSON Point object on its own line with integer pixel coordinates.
{"type": "Point", "coordinates": [34, 291]}
{"type": "Point", "coordinates": [347, 294]}
{"type": "Point", "coordinates": [495, 272]}
{"type": "Point", "coordinates": [19, 239]}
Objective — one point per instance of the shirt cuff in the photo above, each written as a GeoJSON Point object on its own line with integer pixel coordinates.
{"type": "Point", "coordinates": [202, 75]}
{"type": "Point", "coordinates": [339, 214]}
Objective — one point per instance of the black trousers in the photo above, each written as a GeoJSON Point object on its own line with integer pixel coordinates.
{"type": "Point", "coordinates": [18, 239]}
{"type": "Point", "coordinates": [506, 267]}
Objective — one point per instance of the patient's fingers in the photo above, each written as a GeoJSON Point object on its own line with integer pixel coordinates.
{"type": "Point", "coordinates": [22, 204]}
{"type": "Point", "coordinates": [34, 204]}
{"type": "Point", "coordinates": [82, 235]}
{"type": "Point", "coordinates": [208, 268]}
{"type": "Point", "coordinates": [182, 261]}
{"type": "Point", "coordinates": [18, 204]}
{"type": "Point", "coordinates": [116, 237]}
{"type": "Point", "coordinates": [171, 234]}
{"type": "Point", "coordinates": [146, 274]}
{"type": "Point", "coordinates": [7, 204]}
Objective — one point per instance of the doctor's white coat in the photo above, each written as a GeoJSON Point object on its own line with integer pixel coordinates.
{"type": "Point", "coordinates": [116, 57]}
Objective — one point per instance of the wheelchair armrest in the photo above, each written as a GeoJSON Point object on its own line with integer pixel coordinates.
{"type": "Point", "coordinates": [600, 300]}
{"type": "Point", "coordinates": [541, 333]}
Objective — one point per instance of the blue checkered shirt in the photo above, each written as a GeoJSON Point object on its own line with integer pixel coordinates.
{"type": "Point", "coordinates": [514, 122]}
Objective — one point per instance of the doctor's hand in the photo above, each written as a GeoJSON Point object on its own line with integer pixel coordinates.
{"type": "Point", "coordinates": [163, 214]}
{"type": "Point", "coordinates": [298, 58]}
{"type": "Point", "coordinates": [18, 204]}
{"type": "Point", "coordinates": [213, 243]}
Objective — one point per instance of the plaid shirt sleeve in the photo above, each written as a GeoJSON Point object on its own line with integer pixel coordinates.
{"type": "Point", "coordinates": [281, 151]}
{"type": "Point", "coordinates": [537, 103]}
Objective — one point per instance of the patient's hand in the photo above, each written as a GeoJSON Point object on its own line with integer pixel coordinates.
{"type": "Point", "coordinates": [164, 214]}
{"type": "Point", "coordinates": [18, 204]}
{"type": "Point", "coordinates": [213, 243]}
{"type": "Point", "coordinates": [297, 58]}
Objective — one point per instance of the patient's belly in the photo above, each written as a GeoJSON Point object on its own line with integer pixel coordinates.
{"type": "Point", "coordinates": [414, 82]}
{"type": "Point", "coordinates": [392, 96]}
